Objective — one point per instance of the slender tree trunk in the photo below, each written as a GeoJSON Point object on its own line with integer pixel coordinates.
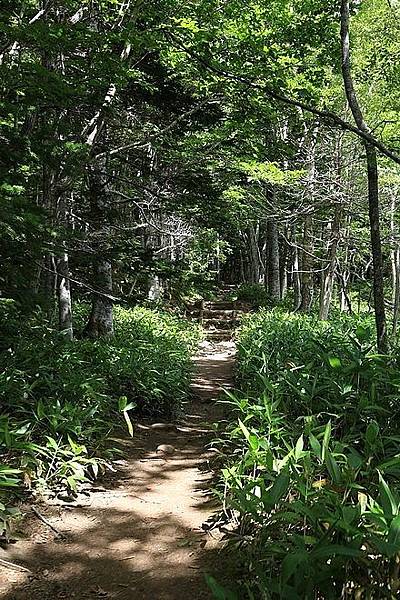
{"type": "Point", "coordinates": [395, 257]}
{"type": "Point", "coordinates": [295, 271]}
{"type": "Point", "coordinates": [307, 279]}
{"type": "Point", "coordinates": [373, 185]}
{"type": "Point", "coordinates": [328, 276]}
{"type": "Point", "coordinates": [254, 254]}
{"type": "Point", "coordinates": [274, 284]}
{"type": "Point", "coordinates": [283, 263]}
{"type": "Point", "coordinates": [63, 279]}
{"type": "Point", "coordinates": [64, 297]}
{"type": "Point", "coordinates": [49, 272]}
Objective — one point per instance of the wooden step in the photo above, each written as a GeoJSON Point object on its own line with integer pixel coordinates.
{"type": "Point", "coordinates": [219, 314]}
{"type": "Point", "coordinates": [219, 305]}
{"type": "Point", "coordinates": [219, 323]}
{"type": "Point", "coordinates": [219, 335]}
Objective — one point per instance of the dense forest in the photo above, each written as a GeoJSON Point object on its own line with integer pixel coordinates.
{"type": "Point", "coordinates": [176, 174]}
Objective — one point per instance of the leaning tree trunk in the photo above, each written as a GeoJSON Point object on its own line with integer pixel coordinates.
{"type": "Point", "coordinates": [274, 284]}
{"type": "Point", "coordinates": [373, 186]}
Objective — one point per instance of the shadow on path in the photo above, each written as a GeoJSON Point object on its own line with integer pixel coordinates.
{"type": "Point", "coordinates": [140, 535]}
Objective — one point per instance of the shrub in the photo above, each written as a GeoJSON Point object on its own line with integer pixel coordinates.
{"type": "Point", "coordinates": [61, 400]}
{"type": "Point", "coordinates": [313, 470]}
{"type": "Point", "coordinates": [253, 294]}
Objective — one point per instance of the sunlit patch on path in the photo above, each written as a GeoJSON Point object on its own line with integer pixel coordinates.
{"type": "Point", "coordinates": [140, 534]}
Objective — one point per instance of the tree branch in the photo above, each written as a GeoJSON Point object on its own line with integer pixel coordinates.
{"type": "Point", "coordinates": [168, 127]}
{"type": "Point", "coordinates": [328, 116]}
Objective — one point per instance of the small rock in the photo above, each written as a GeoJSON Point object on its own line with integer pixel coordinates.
{"type": "Point", "coordinates": [164, 426]}
{"type": "Point", "coordinates": [165, 449]}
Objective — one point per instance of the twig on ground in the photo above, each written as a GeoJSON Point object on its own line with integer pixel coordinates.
{"type": "Point", "coordinates": [11, 565]}
{"type": "Point", "coordinates": [46, 522]}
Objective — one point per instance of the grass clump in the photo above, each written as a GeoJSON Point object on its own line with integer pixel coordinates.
{"type": "Point", "coordinates": [311, 477]}
{"type": "Point", "coordinates": [60, 401]}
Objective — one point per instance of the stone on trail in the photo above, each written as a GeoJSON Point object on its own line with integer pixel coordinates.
{"type": "Point", "coordinates": [164, 426]}
{"type": "Point", "coordinates": [165, 449]}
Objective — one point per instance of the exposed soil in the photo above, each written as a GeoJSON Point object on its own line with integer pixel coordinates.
{"type": "Point", "coordinates": [141, 534]}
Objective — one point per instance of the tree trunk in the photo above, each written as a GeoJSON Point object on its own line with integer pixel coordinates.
{"type": "Point", "coordinates": [329, 273]}
{"type": "Point", "coordinates": [155, 288]}
{"type": "Point", "coordinates": [255, 267]}
{"type": "Point", "coordinates": [306, 275]}
{"type": "Point", "coordinates": [64, 297]}
{"type": "Point", "coordinates": [395, 257]}
{"type": "Point", "coordinates": [283, 268]}
{"type": "Point", "coordinates": [274, 285]}
{"type": "Point", "coordinates": [373, 186]}
{"type": "Point", "coordinates": [100, 322]}
{"type": "Point", "coordinates": [295, 271]}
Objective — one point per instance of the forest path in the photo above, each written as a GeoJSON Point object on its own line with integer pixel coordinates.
{"type": "Point", "coordinates": [140, 534]}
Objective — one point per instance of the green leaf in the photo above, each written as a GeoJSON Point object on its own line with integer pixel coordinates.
{"type": "Point", "coordinates": [279, 489]}
{"type": "Point", "coordinates": [219, 592]}
{"type": "Point", "coordinates": [299, 448]}
{"type": "Point", "coordinates": [326, 440]}
{"type": "Point", "coordinates": [389, 504]}
{"type": "Point", "coordinates": [315, 445]}
{"type": "Point", "coordinates": [333, 468]}
{"type": "Point", "coordinates": [335, 362]}
{"type": "Point", "coordinates": [372, 432]}
{"type": "Point", "coordinates": [336, 550]}
{"type": "Point", "coordinates": [128, 423]}
{"type": "Point", "coordinates": [72, 483]}
{"type": "Point", "coordinates": [290, 564]}
{"type": "Point", "coordinates": [41, 413]}
{"type": "Point", "coordinates": [394, 532]}
{"type": "Point", "coordinates": [244, 429]}
{"type": "Point", "coordinates": [122, 403]}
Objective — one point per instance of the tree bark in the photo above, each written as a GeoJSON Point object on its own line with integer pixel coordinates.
{"type": "Point", "coordinates": [100, 322]}
{"type": "Point", "coordinates": [283, 263]}
{"type": "Point", "coordinates": [64, 297]}
{"type": "Point", "coordinates": [255, 267]}
{"type": "Point", "coordinates": [395, 257]}
{"type": "Point", "coordinates": [328, 276]}
{"type": "Point", "coordinates": [373, 182]}
{"type": "Point", "coordinates": [274, 284]}
{"type": "Point", "coordinates": [295, 271]}
{"type": "Point", "coordinates": [306, 275]}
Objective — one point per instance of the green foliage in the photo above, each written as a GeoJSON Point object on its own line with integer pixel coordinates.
{"type": "Point", "coordinates": [60, 400]}
{"type": "Point", "coordinates": [253, 294]}
{"type": "Point", "coordinates": [313, 468]}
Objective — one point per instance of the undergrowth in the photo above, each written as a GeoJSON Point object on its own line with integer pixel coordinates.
{"type": "Point", "coordinates": [312, 462]}
{"type": "Point", "coordinates": [60, 401]}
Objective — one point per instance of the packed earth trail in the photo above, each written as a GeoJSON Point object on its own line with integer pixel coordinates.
{"type": "Point", "coordinates": [141, 534]}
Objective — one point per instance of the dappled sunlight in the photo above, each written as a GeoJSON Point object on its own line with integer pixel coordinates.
{"type": "Point", "coordinates": [140, 534]}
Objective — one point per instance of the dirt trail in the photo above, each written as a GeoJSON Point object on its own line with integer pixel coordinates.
{"type": "Point", "coordinates": [140, 535]}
